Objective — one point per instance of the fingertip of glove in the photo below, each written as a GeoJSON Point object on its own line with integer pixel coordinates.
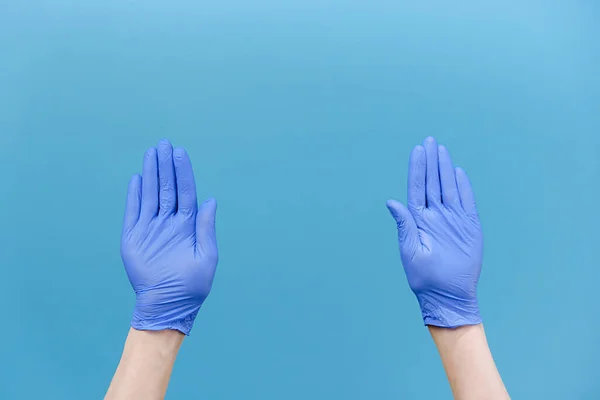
{"type": "Point", "coordinates": [151, 152]}
{"type": "Point", "coordinates": [429, 140]}
{"type": "Point", "coordinates": [179, 153]}
{"type": "Point", "coordinates": [164, 142]}
{"type": "Point", "coordinates": [393, 208]}
{"type": "Point", "coordinates": [209, 205]}
{"type": "Point", "coordinates": [391, 204]}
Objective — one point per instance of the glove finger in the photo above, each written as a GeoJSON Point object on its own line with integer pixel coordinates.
{"type": "Point", "coordinates": [133, 204]}
{"type": "Point", "coordinates": [448, 179]}
{"type": "Point", "coordinates": [149, 185]}
{"type": "Point", "coordinates": [166, 178]}
{"type": "Point", "coordinates": [467, 197]}
{"type": "Point", "coordinates": [205, 228]}
{"type": "Point", "coordinates": [416, 179]}
{"type": "Point", "coordinates": [408, 233]}
{"type": "Point", "coordinates": [187, 203]}
{"type": "Point", "coordinates": [433, 190]}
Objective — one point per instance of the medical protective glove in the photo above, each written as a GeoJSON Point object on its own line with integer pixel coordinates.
{"type": "Point", "coordinates": [168, 243]}
{"type": "Point", "coordinates": [440, 238]}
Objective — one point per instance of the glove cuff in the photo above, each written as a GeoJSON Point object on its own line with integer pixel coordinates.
{"type": "Point", "coordinates": [183, 325]}
{"type": "Point", "coordinates": [447, 313]}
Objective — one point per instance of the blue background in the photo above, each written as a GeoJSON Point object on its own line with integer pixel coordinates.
{"type": "Point", "coordinates": [299, 117]}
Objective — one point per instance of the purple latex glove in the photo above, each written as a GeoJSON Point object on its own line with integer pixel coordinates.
{"type": "Point", "coordinates": [440, 238]}
{"type": "Point", "coordinates": [168, 244]}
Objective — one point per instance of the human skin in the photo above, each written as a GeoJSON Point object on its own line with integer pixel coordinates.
{"type": "Point", "coordinates": [468, 363]}
{"type": "Point", "coordinates": [146, 365]}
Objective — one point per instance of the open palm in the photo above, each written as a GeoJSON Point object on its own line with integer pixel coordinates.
{"type": "Point", "coordinates": [440, 238]}
{"type": "Point", "coordinates": [168, 244]}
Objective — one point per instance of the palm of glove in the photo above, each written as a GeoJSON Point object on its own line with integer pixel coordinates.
{"type": "Point", "coordinates": [164, 256]}
{"type": "Point", "coordinates": [448, 256]}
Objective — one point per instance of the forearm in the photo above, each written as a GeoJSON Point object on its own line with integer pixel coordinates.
{"type": "Point", "coordinates": [468, 362]}
{"type": "Point", "coordinates": [146, 365]}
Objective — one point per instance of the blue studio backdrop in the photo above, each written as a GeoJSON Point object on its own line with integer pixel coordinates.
{"type": "Point", "coordinates": [299, 117]}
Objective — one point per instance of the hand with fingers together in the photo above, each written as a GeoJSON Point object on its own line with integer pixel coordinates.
{"type": "Point", "coordinates": [169, 250]}
{"type": "Point", "coordinates": [441, 247]}
{"type": "Point", "coordinates": [440, 238]}
{"type": "Point", "coordinates": [168, 244]}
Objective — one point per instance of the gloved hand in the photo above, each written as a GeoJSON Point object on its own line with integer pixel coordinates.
{"type": "Point", "coordinates": [168, 244]}
{"type": "Point", "coordinates": [440, 238]}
